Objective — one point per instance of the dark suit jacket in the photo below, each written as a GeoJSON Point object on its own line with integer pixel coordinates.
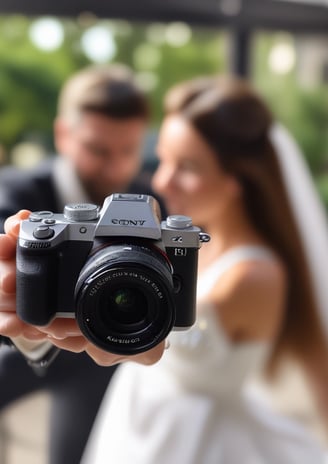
{"type": "Point", "coordinates": [34, 190]}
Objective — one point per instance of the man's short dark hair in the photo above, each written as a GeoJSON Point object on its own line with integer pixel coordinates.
{"type": "Point", "coordinates": [110, 90]}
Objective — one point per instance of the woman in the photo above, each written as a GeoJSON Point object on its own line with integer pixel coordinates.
{"type": "Point", "coordinates": [255, 299]}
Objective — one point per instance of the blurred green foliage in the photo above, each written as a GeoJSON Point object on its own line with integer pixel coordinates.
{"type": "Point", "coordinates": [30, 78]}
{"type": "Point", "coordinates": [302, 108]}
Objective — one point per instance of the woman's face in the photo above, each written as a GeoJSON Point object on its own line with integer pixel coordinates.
{"type": "Point", "coordinates": [189, 177]}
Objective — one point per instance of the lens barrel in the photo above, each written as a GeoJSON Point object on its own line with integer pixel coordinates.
{"type": "Point", "coordinates": [124, 298]}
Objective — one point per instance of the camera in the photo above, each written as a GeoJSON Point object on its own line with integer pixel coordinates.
{"type": "Point", "coordinates": [126, 276]}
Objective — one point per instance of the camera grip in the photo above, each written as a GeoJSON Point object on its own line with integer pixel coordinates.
{"type": "Point", "coordinates": [36, 284]}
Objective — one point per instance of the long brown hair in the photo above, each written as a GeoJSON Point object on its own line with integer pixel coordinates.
{"type": "Point", "coordinates": [234, 120]}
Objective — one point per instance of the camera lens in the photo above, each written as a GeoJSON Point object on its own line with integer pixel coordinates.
{"type": "Point", "coordinates": [124, 298]}
{"type": "Point", "coordinates": [125, 306]}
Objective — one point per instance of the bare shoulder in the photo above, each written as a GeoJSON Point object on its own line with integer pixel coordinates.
{"type": "Point", "coordinates": [250, 299]}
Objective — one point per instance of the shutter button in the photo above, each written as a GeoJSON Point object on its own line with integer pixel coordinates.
{"type": "Point", "coordinates": [43, 232]}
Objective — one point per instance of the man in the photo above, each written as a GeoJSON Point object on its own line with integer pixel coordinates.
{"type": "Point", "coordinates": [98, 133]}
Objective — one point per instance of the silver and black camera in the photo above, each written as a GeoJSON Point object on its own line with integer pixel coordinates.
{"type": "Point", "coordinates": [127, 277]}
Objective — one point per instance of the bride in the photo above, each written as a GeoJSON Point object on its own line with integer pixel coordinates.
{"type": "Point", "coordinates": [225, 163]}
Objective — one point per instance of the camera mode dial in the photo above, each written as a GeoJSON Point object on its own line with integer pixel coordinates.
{"type": "Point", "coordinates": [80, 212]}
{"type": "Point", "coordinates": [178, 221]}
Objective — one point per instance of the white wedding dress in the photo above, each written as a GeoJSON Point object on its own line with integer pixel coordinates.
{"type": "Point", "coordinates": [191, 407]}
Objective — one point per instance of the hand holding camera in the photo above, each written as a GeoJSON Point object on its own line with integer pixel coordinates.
{"type": "Point", "coordinates": [125, 277]}
{"type": "Point", "coordinates": [63, 333]}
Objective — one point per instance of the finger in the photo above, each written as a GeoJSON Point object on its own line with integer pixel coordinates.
{"type": "Point", "coordinates": [7, 246]}
{"type": "Point", "coordinates": [104, 358]}
{"type": "Point", "coordinates": [101, 357]}
{"type": "Point", "coordinates": [10, 325]}
{"type": "Point", "coordinates": [151, 356]}
{"type": "Point", "coordinates": [8, 240]}
{"type": "Point", "coordinates": [7, 302]}
{"type": "Point", "coordinates": [32, 333]}
{"type": "Point", "coordinates": [62, 328]}
{"type": "Point", "coordinates": [74, 344]}
{"type": "Point", "coordinates": [12, 224]}
{"type": "Point", "coordinates": [7, 277]}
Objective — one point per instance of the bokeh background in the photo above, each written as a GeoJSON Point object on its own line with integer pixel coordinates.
{"type": "Point", "coordinates": [286, 57]}
{"type": "Point", "coordinates": [280, 45]}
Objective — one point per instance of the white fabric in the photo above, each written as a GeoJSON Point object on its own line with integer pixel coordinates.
{"type": "Point", "coordinates": [309, 213]}
{"type": "Point", "coordinates": [189, 408]}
